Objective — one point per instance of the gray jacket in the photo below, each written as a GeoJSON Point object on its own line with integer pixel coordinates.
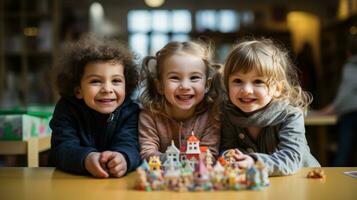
{"type": "Point", "coordinates": [281, 144]}
{"type": "Point", "coordinates": [346, 99]}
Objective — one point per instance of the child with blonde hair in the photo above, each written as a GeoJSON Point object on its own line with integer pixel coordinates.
{"type": "Point", "coordinates": [181, 95]}
{"type": "Point", "coordinates": [264, 116]}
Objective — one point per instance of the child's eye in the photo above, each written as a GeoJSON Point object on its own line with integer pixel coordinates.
{"type": "Point", "coordinates": [117, 81]}
{"type": "Point", "coordinates": [174, 78]}
{"type": "Point", "coordinates": [259, 82]}
{"type": "Point", "coordinates": [95, 81]}
{"type": "Point", "coordinates": [237, 81]}
{"type": "Point", "coordinates": [196, 78]}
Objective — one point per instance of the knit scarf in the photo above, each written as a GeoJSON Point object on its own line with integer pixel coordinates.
{"type": "Point", "coordinates": [266, 118]}
{"type": "Point", "coordinates": [272, 114]}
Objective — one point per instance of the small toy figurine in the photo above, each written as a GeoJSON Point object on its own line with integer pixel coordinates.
{"type": "Point", "coordinates": [217, 176]}
{"type": "Point", "coordinates": [229, 156]}
{"type": "Point", "coordinates": [193, 150]}
{"type": "Point", "coordinates": [263, 173]}
{"type": "Point", "coordinates": [142, 182]}
{"type": "Point", "coordinates": [222, 161]}
{"type": "Point", "coordinates": [186, 177]}
{"type": "Point", "coordinates": [156, 180]}
{"type": "Point", "coordinates": [154, 163]}
{"type": "Point", "coordinates": [316, 173]}
{"type": "Point", "coordinates": [207, 157]}
{"type": "Point", "coordinates": [202, 178]}
{"type": "Point", "coordinates": [172, 176]}
{"type": "Point", "coordinates": [173, 155]}
{"type": "Point", "coordinates": [191, 169]}
{"type": "Point", "coordinates": [253, 178]}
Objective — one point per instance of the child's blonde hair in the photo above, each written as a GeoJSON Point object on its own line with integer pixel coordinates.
{"type": "Point", "coordinates": [152, 66]}
{"type": "Point", "coordinates": [270, 61]}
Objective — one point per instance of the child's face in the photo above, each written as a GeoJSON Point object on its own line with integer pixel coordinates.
{"type": "Point", "coordinates": [183, 84]}
{"type": "Point", "coordinates": [249, 92]}
{"type": "Point", "coordinates": [102, 86]}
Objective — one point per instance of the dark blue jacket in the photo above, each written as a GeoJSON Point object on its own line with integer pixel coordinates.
{"type": "Point", "coordinates": [78, 130]}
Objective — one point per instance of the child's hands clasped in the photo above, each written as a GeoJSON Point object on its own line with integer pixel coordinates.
{"type": "Point", "coordinates": [105, 164]}
{"type": "Point", "coordinates": [243, 160]}
{"type": "Point", "coordinates": [115, 163]}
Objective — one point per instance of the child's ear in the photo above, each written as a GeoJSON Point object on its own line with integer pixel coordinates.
{"type": "Point", "coordinates": [159, 87]}
{"type": "Point", "coordinates": [208, 85]}
{"type": "Point", "coordinates": [78, 92]}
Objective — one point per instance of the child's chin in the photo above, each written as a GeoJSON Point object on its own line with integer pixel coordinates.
{"type": "Point", "coordinates": [105, 111]}
{"type": "Point", "coordinates": [185, 107]}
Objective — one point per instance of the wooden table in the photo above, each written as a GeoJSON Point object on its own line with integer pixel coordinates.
{"type": "Point", "coordinates": [49, 183]}
{"type": "Point", "coordinates": [31, 147]}
{"type": "Point", "coordinates": [315, 120]}
{"type": "Point", "coordinates": [321, 122]}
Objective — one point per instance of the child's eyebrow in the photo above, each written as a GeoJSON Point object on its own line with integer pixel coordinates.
{"type": "Point", "coordinates": [172, 73]}
{"type": "Point", "coordinates": [118, 75]}
{"type": "Point", "coordinates": [99, 76]}
{"type": "Point", "coordinates": [200, 73]}
{"type": "Point", "coordinates": [92, 76]}
{"type": "Point", "coordinates": [191, 73]}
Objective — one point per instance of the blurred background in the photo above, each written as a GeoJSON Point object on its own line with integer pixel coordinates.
{"type": "Point", "coordinates": [32, 33]}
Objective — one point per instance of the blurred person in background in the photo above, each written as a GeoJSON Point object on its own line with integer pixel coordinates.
{"type": "Point", "coordinates": [345, 106]}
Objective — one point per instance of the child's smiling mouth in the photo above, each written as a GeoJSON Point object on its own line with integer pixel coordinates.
{"type": "Point", "coordinates": [247, 100]}
{"type": "Point", "coordinates": [106, 101]}
{"type": "Point", "coordinates": [184, 97]}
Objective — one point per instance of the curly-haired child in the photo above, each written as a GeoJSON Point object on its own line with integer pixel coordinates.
{"type": "Point", "coordinates": [95, 123]}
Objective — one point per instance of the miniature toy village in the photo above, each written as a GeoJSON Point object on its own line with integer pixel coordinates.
{"type": "Point", "coordinates": [191, 169]}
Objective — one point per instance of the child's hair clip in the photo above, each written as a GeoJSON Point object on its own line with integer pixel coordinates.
{"type": "Point", "coordinates": [152, 66]}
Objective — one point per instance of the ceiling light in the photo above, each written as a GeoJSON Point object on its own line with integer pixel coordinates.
{"type": "Point", "coordinates": [154, 3]}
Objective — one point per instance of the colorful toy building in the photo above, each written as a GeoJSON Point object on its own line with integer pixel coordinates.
{"type": "Point", "coordinates": [191, 169]}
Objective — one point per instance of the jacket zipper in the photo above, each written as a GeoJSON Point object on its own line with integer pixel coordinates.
{"type": "Point", "coordinates": [110, 118]}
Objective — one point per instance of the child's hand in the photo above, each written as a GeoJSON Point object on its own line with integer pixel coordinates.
{"type": "Point", "coordinates": [93, 165]}
{"type": "Point", "coordinates": [115, 163]}
{"type": "Point", "coordinates": [243, 160]}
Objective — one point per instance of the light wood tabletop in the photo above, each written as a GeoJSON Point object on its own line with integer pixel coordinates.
{"type": "Point", "coordinates": [315, 120]}
{"type": "Point", "coordinates": [49, 183]}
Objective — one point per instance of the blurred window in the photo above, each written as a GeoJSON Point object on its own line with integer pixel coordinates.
{"type": "Point", "coordinates": [139, 42]}
{"type": "Point", "coordinates": [206, 20]}
{"type": "Point", "coordinates": [139, 21]}
{"type": "Point", "coordinates": [247, 18]}
{"type": "Point", "coordinates": [182, 21]}
{"type": "Point", "coordinates": [150, 30]}
{"type": "Point", "coordinates": [158, 40]}
{"type": "Point", "coordinates": [228, 21]}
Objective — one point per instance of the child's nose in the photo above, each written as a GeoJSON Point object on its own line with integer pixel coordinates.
{"type": "Point", "coordinates": [247, 88]}
{"type": "Point", "coordinates": [184, 85]}
{"type": "Point", "coordinates": [107, 88]}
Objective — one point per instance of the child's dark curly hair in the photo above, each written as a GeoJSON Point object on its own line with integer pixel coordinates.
{"type": "Point", "coordinates": [70, 67]}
